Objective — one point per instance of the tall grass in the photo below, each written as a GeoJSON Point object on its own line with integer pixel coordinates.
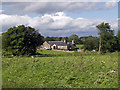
{"type": "Point", "coordinates": [55, 69]}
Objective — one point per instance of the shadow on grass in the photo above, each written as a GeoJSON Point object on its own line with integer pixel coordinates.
{"type": "Point", "coordinates": [63, 55]}
{"type": "Point", "coordinates": [38, 55]}
{"type": "Point", "coordinates": [51, 55]}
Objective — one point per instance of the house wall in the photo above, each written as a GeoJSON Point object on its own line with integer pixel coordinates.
{"type": "Point", "coordinates": [46, 45]}
{"type": "Point", "coordinates": [62, 47]}
{"type": "Point", "coordinates": [54, 46]}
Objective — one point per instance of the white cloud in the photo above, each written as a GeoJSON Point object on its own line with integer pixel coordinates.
{"type": "Point", "coordinates": [59, 0]}
{"type": "Point", "coordinates": [109, 5]}
{"type": "Point", "coordinates": [47, 7]}
{"type": "Point", "coordinates": [22, 8]}
{"type": "Point", "coordinates": [1, 11]}
{"type": "Point", "coordinates": [57, 24]}
{"type": "Point", "coordinates": [11, 20]}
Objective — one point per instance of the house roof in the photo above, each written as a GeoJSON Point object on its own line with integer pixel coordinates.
{"type": "Point", "coordinates": [61, 43]}
{"type": "Point", "coordinates": [69, 43]}
{"type": "Point", "coordinates": [58, 43]}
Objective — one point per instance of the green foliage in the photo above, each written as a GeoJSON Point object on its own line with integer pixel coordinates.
{"type": "Point", "coordinates": [21, 40]}
{"type": "Point", "coordinates": [118, 41]}
{"type": "Point", "coordinates": [90, 43]}
{"type": "Point", "coordinates": [80, 46]}
{"type": "Point", "coordinates": [72, 48]}
{"type": "Point", "coordinates": [68, 39]}
{"type": "Point", "coordinates": [106, 37]}
{"type": "Point", "coordinates": [5, 41]}
{"type": "Point", "coordinates": [55, 69]}
{"type": "Point", "coordinates": [75, 38]}
{"type": "Point", "coordinates": [49, 38]}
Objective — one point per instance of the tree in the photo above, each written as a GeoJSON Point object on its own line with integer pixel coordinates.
{"type": "Point", "coordinates": [83, 39]}
{"type": "Point", "coordinates": [90, 43]}
{"type": "Point", "coordinates": [117, 38]}
{"type": "Point", "coordinates": [49, 38]}
{"type": "Point", "coordinates": [5, 40]}
{"type": "Point", "coordinates": [21, 40]}
{"type": "Point", "coordinates": [105, 37]}
{"type": "Point", "coordinates": [75, 38]}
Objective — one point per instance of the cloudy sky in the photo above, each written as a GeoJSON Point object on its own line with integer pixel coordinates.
{"type": "Point", "coordinates": [59, 18]}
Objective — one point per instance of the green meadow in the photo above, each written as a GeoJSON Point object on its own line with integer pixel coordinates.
{"type": "Point", "coordinates": [54, 69]}
{"type": "Point", "coordinates": [80, 46]}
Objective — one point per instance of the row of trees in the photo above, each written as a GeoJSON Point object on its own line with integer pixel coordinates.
{"type": "Point", "coordinates": [23, 40]}
{"type": "Point", "coordinates": [68, 39]}
{"type": "Point", "coordinates": [106, 42]}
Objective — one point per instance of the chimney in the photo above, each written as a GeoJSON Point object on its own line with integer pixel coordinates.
{"type": "Point", "coordinates": [64, 41]}
{"type": "Point", "coordinates": [73, 42]}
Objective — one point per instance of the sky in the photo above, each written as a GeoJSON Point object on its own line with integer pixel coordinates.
{"type": "Point", "coordinates": [60, 18]}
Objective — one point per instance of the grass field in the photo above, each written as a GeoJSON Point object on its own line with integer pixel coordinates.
{"type": "Point", "coordinates": [80, 46]}
{"type": "Point", "coordinates": [55, 69]}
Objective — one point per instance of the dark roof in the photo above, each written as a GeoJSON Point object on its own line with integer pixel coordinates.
{"type": "Point", "coordinates": [70, 44]}
{"type": "Point", "coordinates": [58, 43]}
{"type": "Point", "coordinates": [76, 47]}
{"type": "Point", "coordinates": [61, 43]}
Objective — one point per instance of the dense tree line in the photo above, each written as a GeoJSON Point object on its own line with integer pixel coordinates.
{"type": "Point", "coordinates": [74, 37]}
{"type": "Point", "coordinates": [23, 40]}
{"type": "Point", "coordinates": [106, 42]}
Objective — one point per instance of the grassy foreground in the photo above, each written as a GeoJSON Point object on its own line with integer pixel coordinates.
{"type": "Point", "coordinates": [55, 69]}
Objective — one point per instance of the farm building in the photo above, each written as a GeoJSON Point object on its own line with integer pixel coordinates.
{"type": "Point", "coordinates": [59, 45]}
